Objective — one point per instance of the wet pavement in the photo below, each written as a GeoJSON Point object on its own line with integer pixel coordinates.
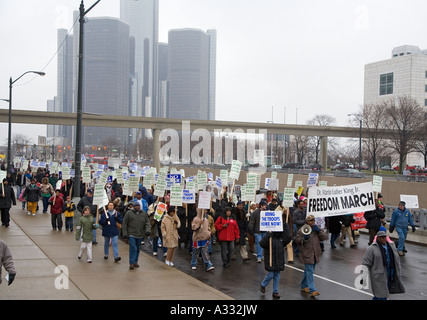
{"type": "Point", "coordinates": [39, 251]}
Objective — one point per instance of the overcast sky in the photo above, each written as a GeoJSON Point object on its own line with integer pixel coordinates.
{"type": "Point", "coordinates": [306, 57]}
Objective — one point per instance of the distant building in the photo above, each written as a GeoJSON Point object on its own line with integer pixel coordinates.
{"type": "Point", "coordinates": [191, 74]}
{"type": "Point", "coordinates": [404, 74]}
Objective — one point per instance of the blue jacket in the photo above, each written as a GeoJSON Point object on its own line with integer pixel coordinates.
{"type": "Point", "coordinates": [401, 219]}
{"type": "Point", "coordinates": [110, 230]}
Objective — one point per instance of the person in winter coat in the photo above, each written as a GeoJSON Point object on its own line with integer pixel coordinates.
{"type": "Point", "coordinates": [169, 228]}
{"type": "Point", "coordinates": [84, 233]}
{"type": "Point", "coordinates": [87, 201]}
{"type": "Point", "coordinates": [242, 223]}
{"type": "Point", "coordinates": [47, 191]}
{"type": "Point", "coordinates": [253, 228]}
{"type": "Point", "coordinates": [346, 221]}
{"type": "Point", "coordinates": [136, 224]}
{"type": "Point", "coordinates": [228, 233]}
{"type": "Point", "coordinates": [33, 194]}
{"type": "Point", "coordinates": [7, 198]}
{"type": "Point", "coordinates": [383, 262]}
{"type": "Point", "coordinates": [201, 238]}
{"type": "Point", "coordinates": [401, 219]}
{"type": "Point", "coordinates": [110, 232]}
{"type": "Point", "coordinates": [309, 246]}
{"type": "Point", "coordinates": [56, 204]}
{"type": "Point", "coordinates": [6, 261]}
{"type": "Point", "coordinates": [274, 244]}
{"type": "Point", "coordinates": [68, 210]}
{"type": "Point", "coordinates": [373, 219]}
{"type": "Point", "coordinates": [334, 228]}
{"type": "Point", "coordinates": [156, 234]}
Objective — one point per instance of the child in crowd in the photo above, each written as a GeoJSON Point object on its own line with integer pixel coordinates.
{"type": "Point", "coordinates": [68, 209]}
{"type": "Point", "coordinates": [84, 233]}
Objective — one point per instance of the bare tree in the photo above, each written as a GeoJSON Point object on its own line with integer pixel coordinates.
{"type": "Point", "coordinates": [373, 116]}
{"type": "Point", "coordinates": [421, 142]}
{"type": "Point", "coordinates": [404, 116]}
{"type": "Point", "coordinates": [322, 120]}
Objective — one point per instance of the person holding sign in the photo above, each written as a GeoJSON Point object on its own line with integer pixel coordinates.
{"type": "Point", "coordinates": [309, 246]}
{"type": "Point", "coordinates": [228, 233]}
{"type": "Point", "coordinates": [373, 218]}
{"type": "Point", "coordinates": [400, 219]}
{"type": "Point", "coordinates": [169, 227]}
{"type": "Point", "coordinates": [274, 244]}
{"type": "Point", "coordinates": [254, 228]}
{"type": "Point", "coordinates": [110, 231]}
{"type": "Point", "coordinates": [201, 239]}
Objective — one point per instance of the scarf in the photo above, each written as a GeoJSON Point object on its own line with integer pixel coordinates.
{"type": "Point", "coordinates": [384, 255]}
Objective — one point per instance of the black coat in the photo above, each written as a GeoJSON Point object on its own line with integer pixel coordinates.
{"type": "Point", "coordinates": [279, 240]}
{"type": "Point", "coordinates": [334, 224]}
{"type": "Point", "coordinates": [9, 198]}
{"type": "Point", "coordinates": [373, 218]}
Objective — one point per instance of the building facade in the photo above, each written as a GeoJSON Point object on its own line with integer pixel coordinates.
{"type": "Point", "coordinates": [191, 74]}
{"type": "Point", "coordinates": [404, 74]}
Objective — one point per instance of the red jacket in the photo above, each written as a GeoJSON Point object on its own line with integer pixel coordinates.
{"type": "Point", "coordinates": [57, 207]}
{"type": "Point", "coordinates": [230, 233]}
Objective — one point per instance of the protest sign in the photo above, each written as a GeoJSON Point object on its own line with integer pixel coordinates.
{"type": "Point", "coordinates": [271, 221]}
{"type": "Point", "coordinates": [411, 201]}
{"type": "Point", "coordinates": [160, 210]}
{"type": "Point", "coordinates": [188, 196]}
{"type": "Point", "coordinates": [377, 183]}
{"type": "Point", "coordinates": [290, 178]}
{"type": "Point", "coordinates": [204, 200]}
{"type": "Point", "coordinates": [236, 166]}
{"type": "Point", "coordinates": [288, 197]}
{"type": "Point", "coordinates": [339, 200]}
{"type": "Point", "coordinates": [176, 196]}
{"type": "Point", "coordinates": [312, 179]}
{"type": "Point", "coordinates": [360, 221]}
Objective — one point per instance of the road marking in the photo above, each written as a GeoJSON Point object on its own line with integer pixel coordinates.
{"type": "Point", "coordinates": [333, 281]}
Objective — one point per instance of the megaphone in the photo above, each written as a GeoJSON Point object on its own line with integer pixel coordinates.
{"type": "Point", "coordinates": [306, 229]}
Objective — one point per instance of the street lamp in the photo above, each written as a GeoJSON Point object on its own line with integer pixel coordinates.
{"type": "Point", "coordinates": [359, 117]}
{"type": "Point", "coordinates": [11, 82]}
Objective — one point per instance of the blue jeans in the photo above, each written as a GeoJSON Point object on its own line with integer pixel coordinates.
{"type": "Point", "coordinates": [258, 237]}
{"type": "Point", "coordinates": [205, 256]}
{"type": "Point", "coordinates": [334, 237]}
{"type": "Point", "coordinates": [134, 244]}
{"type": "Point", "coordinates": [114, 244]}
{"type": "Point", "coordinates": [308, 279]}
{"type": "Point", "coordinates": [275, 275]}
{"type": "Point", "coordinates": [402, 233]}
{"type": "Point", "coordinates": [156, 245]}
{"type": "Point", "coordinates": [45, 203]}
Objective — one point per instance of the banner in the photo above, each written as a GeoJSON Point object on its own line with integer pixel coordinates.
{"type": "Point", "coordinates": [339, 200]}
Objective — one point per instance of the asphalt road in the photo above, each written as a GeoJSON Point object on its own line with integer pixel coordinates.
{"type": "Point", "coordinates": [334, 276]}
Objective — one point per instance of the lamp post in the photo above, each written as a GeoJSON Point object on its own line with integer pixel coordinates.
{"type": "Point", "coordinates": [78, 151]}
{"type": "Point", "coordinates": [359, 117]}
{"type": "Point", "coordinates": [9, 137]}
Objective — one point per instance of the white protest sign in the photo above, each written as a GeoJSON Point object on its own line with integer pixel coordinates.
{"type": "Point", "coordinates": [204, 200]}
{"type": "Point", "coordinates": [188, 196]}
{"type": "Point", "coordinates": [377, 183]}
{"type": "Point", "coordinates": [236, 166]}
{"type": "Point", "coordinates": [176, 196]}
{"type": "Point", "coordinates": [312, 179]}
{"type": "Point", "coordinates": [271, 221]}
{"type": "Point", "coordinates": [288, 197]}
{"type": "Point", "coordinates": [290, 178]}
{"type": "Point", "coordinates": [411, 201]}
{"type": "Point", "coordinates": [98, 194]}
{"type": "Point", "coordinates": [339, 200]}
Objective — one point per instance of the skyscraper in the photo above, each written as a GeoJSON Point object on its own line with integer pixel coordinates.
{"type": "Point", "coordinates": [106, 74]}
{"type": "Point", "coordinates": [191, 74]}
{"type": "Point", "coordinates": [142, 16]}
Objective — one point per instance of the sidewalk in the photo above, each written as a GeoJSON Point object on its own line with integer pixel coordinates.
{"type": "Point", "coordinates": [38, 250]}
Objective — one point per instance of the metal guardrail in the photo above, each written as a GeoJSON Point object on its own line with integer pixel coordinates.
{"type": "Point", "coordinates": [418, 215]}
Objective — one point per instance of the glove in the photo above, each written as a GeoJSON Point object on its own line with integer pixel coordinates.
{"type": "Point", "coordinates": [391, 229]}
{"type": "Point", "coordinates": [413, 228]}
{"type": "Point", "coordinates": [316, 228]}
{"type": "Point", "coordinates": [11, 278]}
{"type": "Point", "coordinates": [306, 237]}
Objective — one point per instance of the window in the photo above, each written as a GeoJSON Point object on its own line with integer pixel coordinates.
{"type": "Point", "coordinates": [386, 83]}
{"type": "Point", "coordinates": [425, 102]}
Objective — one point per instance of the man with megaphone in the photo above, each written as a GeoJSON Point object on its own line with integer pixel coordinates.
{"type": "Point", "coordinates": [308, 240]}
